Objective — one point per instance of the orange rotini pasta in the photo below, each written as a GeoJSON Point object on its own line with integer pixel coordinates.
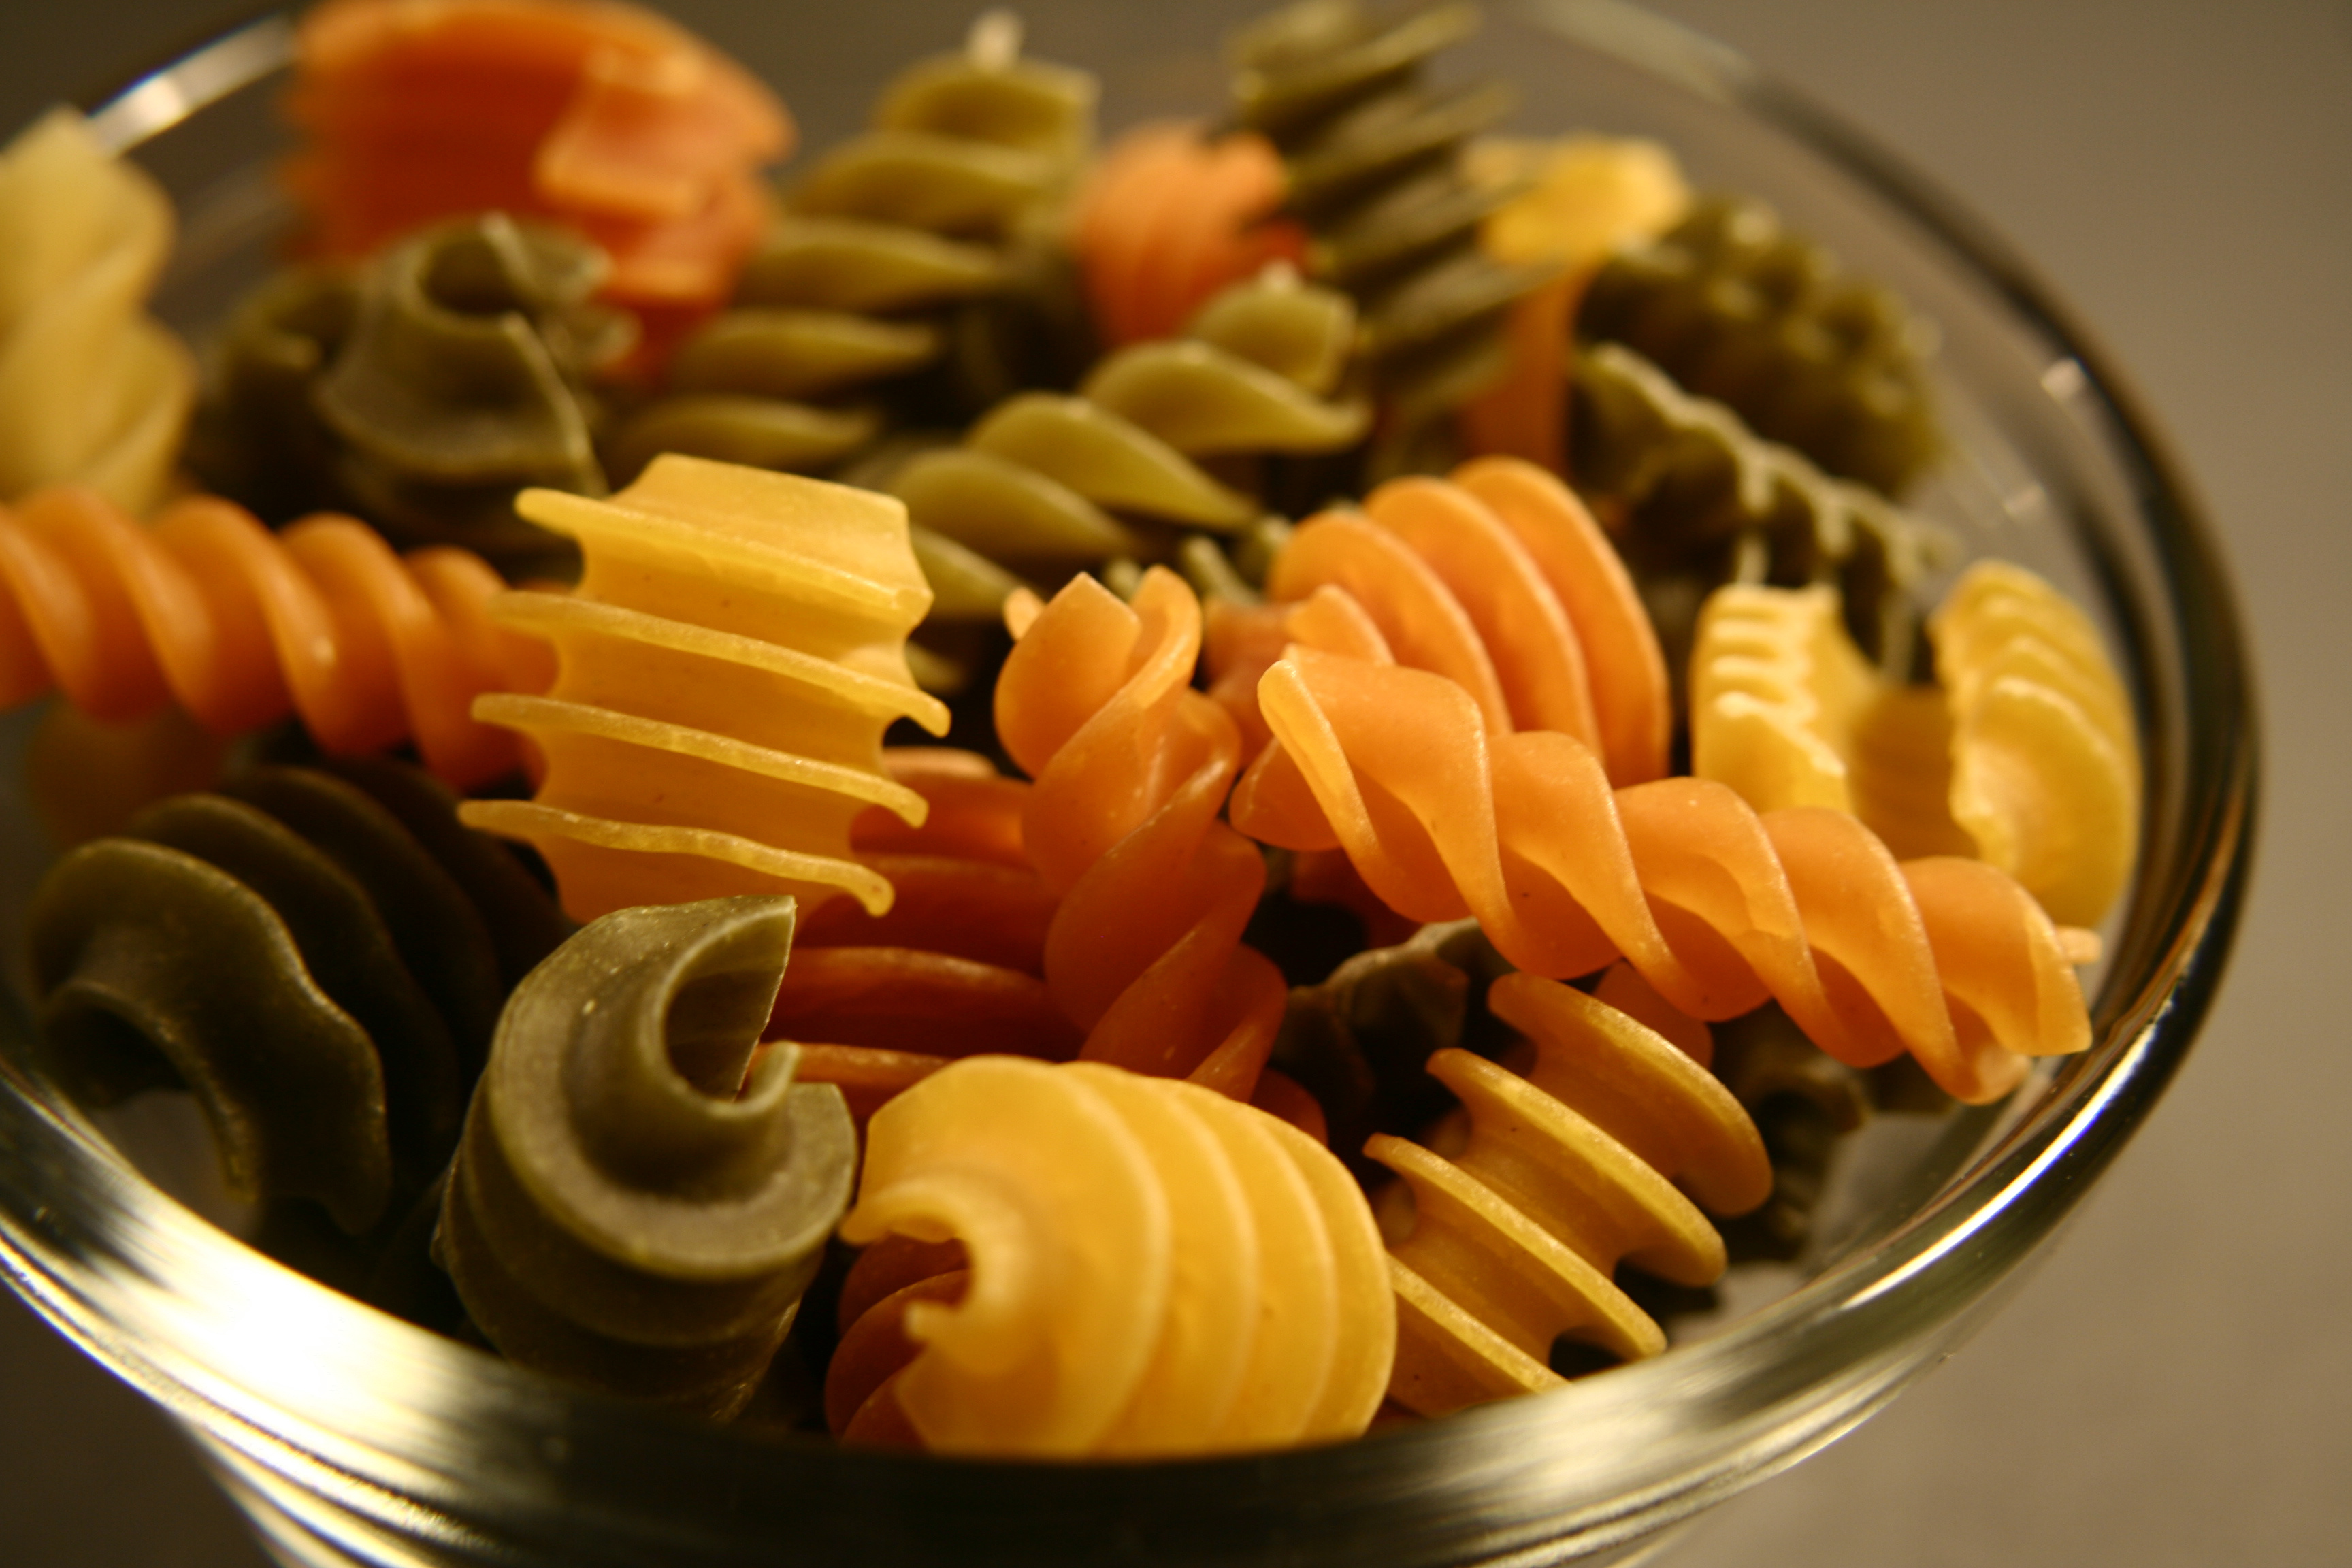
{"type": "Point", "coordinates": [1569, 1168]}
{"type": "Point", "coordinates": [1155, 1269]}
{"type": "Point", "coordinates": [92, 390]}
{"type": "Point", "coordinates": [240, 627]}
{"type": "Point", "coordinates": [725, 670]}
{"type": "Point", "coordinates": [1168, 218]}
{"type": "Point", "coordinates": [1717, 907]}
{"type": "Point", "coordinates": [1497, 579]}
{"type": "Point", "coordinates": [1131, 767]}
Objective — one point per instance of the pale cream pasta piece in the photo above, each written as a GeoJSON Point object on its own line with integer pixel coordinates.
{"type": "Point", "coordinates": [92, 390]}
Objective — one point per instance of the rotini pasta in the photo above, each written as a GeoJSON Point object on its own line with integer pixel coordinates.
{"type": "Point", "coordinates": [313, 958]}
{"type": "Point", "coordinates": [92, 391]}
{"type": "Point", "coordinates": [2045, 769]}
{"type": "Point", "coordinates": [241, 627]}
{"type": "Point", "coordinates": [1574, 201]}
{"type": "Point", "coordinates": [1568, 1170]}
{"type": "Point", "coordinates": [1777, 693]}
{"type": "Point", "coordinates": [889, 252]}
{"type": "Point", "coordinates": [1375, 173]}
{"type": "Point", "coordinates": [1131, 766]}
{"type": "Point", "coordinates": [724, 672]}
{"type": "Point", "coordinates": [1497, 579]}
{"type": "Point", "coordinates": [1738, 308]}
{"type": "Point", "coordinates": [607, 118]}
{"type": "Point", "coordinates": [1717, 907]}
{"type": "Point", "coordinates": [1710, 503]}
{"type": "Point", "coordinates": [1169, 218]}
{"type": "Point", "coordinates": [638, 1204]}
{"type": "Point", "coordinates": [1155, 1269]}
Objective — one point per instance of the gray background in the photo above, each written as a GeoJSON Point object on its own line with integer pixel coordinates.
{"type": "Point", "coordinates": [2173, 1387]}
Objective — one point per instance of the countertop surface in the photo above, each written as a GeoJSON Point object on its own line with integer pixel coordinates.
{"type": "Point", "coordinates": [2174, 1385]}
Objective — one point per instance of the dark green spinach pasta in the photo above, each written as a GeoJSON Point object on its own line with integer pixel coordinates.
{"type": "Point", "coordinates": [642, 1196]}
{"type": "Point", "coordinates": [1738, 308]}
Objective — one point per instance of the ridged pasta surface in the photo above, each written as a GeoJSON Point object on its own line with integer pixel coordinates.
{"type": "Point", "coordinates": [1569, 1168]}
{"type": "Point", "coordinates": [1154, 1269]}
{"type": "Point", "coordinates": [241, 627]}
{"type": "Point", "coordinates": [639, 1204]}
{"type": "Point", "coordinates": [893, 255]}
{"type": "Point", "coordinates": [1131, 768]}
{"type": "Point", "coordinates": [1495, 578]}
{"type": "Point", "coordinates": [725, 670]}
{"type": "Point", "coordinates": [1739, 309]}
{"type": "Point", "coordinates": [92, 390]}
{"type": "Point", "coordinates": [1777, 692]}
{"type": "Point", "coordinates": [1717, 907]}
{"type": "Point", "coordinates": [1374, 159]}
{"type": "Point", "coordinates": [2045, 763]}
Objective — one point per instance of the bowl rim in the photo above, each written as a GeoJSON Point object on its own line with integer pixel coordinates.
{"type": "Point", "coordinates": [156, 1294]}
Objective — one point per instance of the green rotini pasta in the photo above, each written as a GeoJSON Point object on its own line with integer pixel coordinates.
{"type": "Point", "coordinates": [1739, 309]}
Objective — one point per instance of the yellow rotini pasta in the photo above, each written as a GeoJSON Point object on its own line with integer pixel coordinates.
{"type": "Point", "coordinates": [241, 627]}
{"type": "Point", "coordinates": [2045, 769]}
{"type": "Point", "coordinates": [1155, 1269]}
{"type": "Point", "coordinates": [92, 390]}
{"type": "Point", "coordinates": [1777, 692]}
{"type": "Point", "coordinates": [725, 670]}
{"type": "Point", "coordinates": [1569, 1168]}
{"type": "Point", "coordinates": [1717, 907]}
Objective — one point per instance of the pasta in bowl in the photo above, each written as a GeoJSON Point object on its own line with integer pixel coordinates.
{"type": "Point", "coordinates": [458, 1450]}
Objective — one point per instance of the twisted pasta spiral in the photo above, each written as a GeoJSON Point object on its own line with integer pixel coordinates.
{"type": "Point", "coordinates": [92, 391]}
{"type": "Point", "coordinates": [1568, 1170]}
{"type": "Point", "coordinates": [1131, 767]}
{"type": "Point", "coordinates": [724, 672]}
{"type": "Point", "coordinates": [2045, 769]}
{"type": "Point", "coordinates": [1497, 579]}
{"type": "Point", "coordinates": [240, 626]}
{"type": "Point", "coordinates": [637, 1203]}
{"type": "Point", "coordinates": [1376, 174]}
{"type": "Point", "coordinates": [1777, 692]}
{"type": "Point", "coordinates": [1738, 308]}
{"type": "Point", "coordinates": [1717, 907]}
{"type": "Point", "coordinates": [1155, 1269]}
{"type": "Point", "coordinates": [866, 280]}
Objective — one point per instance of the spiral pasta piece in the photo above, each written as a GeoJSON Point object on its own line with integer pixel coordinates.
{"type": "Point", "coordinates": [1778, 692]}
{"type": "Point", "coordinates": [1376, 174]}
{"type": "Point", "coordinates": [1131, 767]}
{"type": "Point", "coordinates": [2045, 769]}
{"type": "Point", "coordinates": [1716, 905]}
{"type": "Point", "coordinates": [1569, 1169]}
{"type": "Point", "coordinates": [1155, 1269]}
{"type": "Point", "coordinates": [1168, 216]}
{"type": "Point", "coordinates": [608, 118]}
{"type": "Point", "coordinates": [241, 627]}
{"type": "Point", "coordinates": [1738, 308]}
{"type": "Point", "coordinates": [724, 672]}
{"type": "Point", "coordinates": [638, 1204]}
{"type": "Point", "coordinates": [883, 268]}
{"type": "Point", "coordinates": [953, 968]}
{"type": "Point", "coordinates": [318, 959]}
{"type": "Point", "coordinates": [1497, 579]}
{"type": "Point", "coordinates": [1710, 503]}
{"type": "Point", "coordinates": [1575, 201]}
{"type": "Point", "coordinates": [92, 390]}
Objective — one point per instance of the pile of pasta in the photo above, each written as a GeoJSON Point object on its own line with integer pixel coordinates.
{"type": "Point", "coordinates": [799, 804]}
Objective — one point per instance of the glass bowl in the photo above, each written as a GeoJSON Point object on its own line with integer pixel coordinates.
{"type": "Point", "coordinates": [348, 1436]}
